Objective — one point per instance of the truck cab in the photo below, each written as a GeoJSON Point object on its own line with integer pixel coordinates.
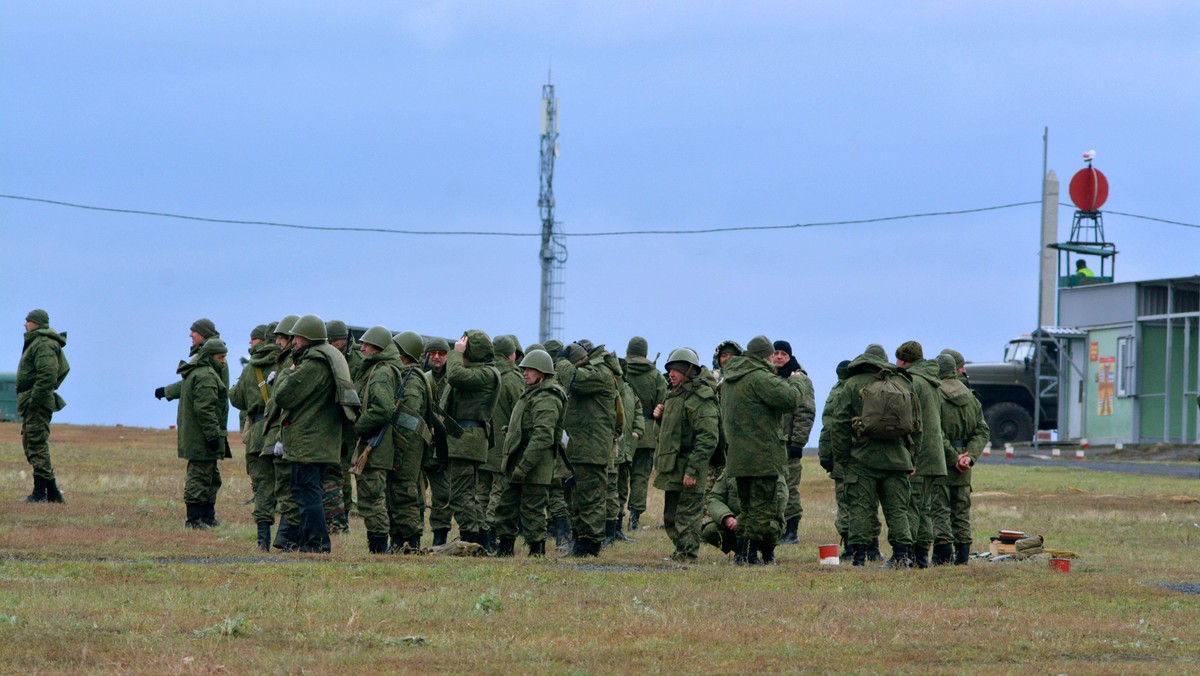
{"type": "Point", "coordinates": [1008, 390]}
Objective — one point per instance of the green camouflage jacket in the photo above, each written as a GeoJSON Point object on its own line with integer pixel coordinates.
{"type": "Point", "coordinates": [651, 387]}
{"type": "Point", "coordinates": [41, 370]}
{"type": "Point", "coordinates": [311, 422]}
{"type": "Point", "coordinates": [376, 383]}
{"type": "Point", "coordinates": [963, 428]}
{"type": "Point", "coordinates": [203, 413]}
{"type": "Point", "coordinates": [246, 394]}
{"type": "Point", "coordinates": [687, 435]}
{"type": "Point", "coordinates": [591, 417]}
{"type": "Point", "coordinates": [929, 456]}
{"type": "Point", "coordinates": [852, 452]}
{"type": "Point", "coordinates": [752, 401]}
{"type": "Point", "coordinates": [533, 433]}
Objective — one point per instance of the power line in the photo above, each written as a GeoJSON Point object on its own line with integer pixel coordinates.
{"type": "Point", "coordinates": [616, 233]}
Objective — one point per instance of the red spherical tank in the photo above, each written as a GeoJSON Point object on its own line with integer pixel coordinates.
{"type": "Point", "coordinates": [1089, 189]}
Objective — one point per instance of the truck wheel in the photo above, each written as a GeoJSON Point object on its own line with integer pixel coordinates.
{"type": "Point", "coordinates": [1009, 422]}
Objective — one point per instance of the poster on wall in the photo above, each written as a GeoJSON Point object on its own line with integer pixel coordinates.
{"type": "Point", "coordinates": [1107, 385]}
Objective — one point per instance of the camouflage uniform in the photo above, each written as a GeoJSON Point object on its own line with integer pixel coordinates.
{"type": "Point", "coordinates": [651, 388]}
{"type": "Point", "coordinates": [964, 432]}
{"type": "Point", "coordinates": [250, 395]}
{"type": "Point", "coordinates": [929, 458]}
{"type": "Point", "coordinates": [338, 484]}
{"type": "Point", "coordinates": [722, 502]}
{"type": "Point", "coordinates": [434, 467]}
{"type": "Point", "coordinates": [825, 455]}
{"type": "Point", "coordinates": [376, 384]}
{"type": "Point", "coordinates": [591, 423]}
{"type": "Point", "coordinates": [796, 426]}
{"type": "Point", "coordinates": [201, 432]}
{"type": "Point", "coordinates": [618, 470]}
{"type": "Point", "coordinates": [687, 437]}
{"type": "Point", "coordinates": [40, 372]}
{"type": "Point", "coordinates": [289, 515]}
{"type": "Point", "coordinates": [474, 385]}
{"type": "Point", "coordinates": [490, 482]}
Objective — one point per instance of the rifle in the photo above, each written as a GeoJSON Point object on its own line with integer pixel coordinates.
{"type": "Point", "coordinates": [360, 465]}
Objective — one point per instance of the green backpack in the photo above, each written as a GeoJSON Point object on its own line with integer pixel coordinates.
{"type": "Point", "coordinates": [886, 408]}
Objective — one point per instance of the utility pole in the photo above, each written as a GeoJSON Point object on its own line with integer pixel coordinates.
{"type": "Point", "coordinates": [553, 253]}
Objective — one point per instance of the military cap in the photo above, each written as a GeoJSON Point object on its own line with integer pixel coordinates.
{"type": "Point", "coordinates": [729, 346]}
{"type": "Point", "coordinates": [638, 347]}
{"type": "Point", "coordinates": [553, 346]}
{"type": "Point", "coordinates": [503, 346]}
{"type": "Point", "coordinates": [39, 317]}
{"type": "Point", "coordinates": [575, 352]}
{"type": "Point", "coordinates": [205, 327]}
{"type": "Point", "coordinates": [586, 344]}
{"type": "Point", "coordinates": [784, 346]}
{"type": "Point", "coordinates": [946, 366]}
{"type": "Point", "coordinates": [910, 351]}
{"type": "Point", "coordinates": [760, 346]}
{"type": "Point", "coordinates": [337, 330]}
{"type": "Point", "coordinates": [959, 362]}
{"type": "Point", "coordinates": [259, 332]}
{"type": "Point", "coordinates": [271, 328]}
{"type": "Point", "coordinates": [214, 346]}
{"type": "Point", "coordinates": [536, 346]}
{"type": "Point", "coordinates": [843, 369]}
{"type": "Point", "coordinates": [437, 344]}
{"type": "Point", "coordinates": [876, 350]}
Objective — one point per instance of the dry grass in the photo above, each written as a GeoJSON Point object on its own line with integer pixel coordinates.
{"type": "Point", "coordinates": [80, 588]}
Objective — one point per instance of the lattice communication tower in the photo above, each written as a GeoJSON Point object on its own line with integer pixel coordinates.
{"type": "Point", "coordinates": [553, 253]}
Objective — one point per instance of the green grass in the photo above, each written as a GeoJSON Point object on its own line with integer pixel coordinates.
{"type": "Point", "coordinates": [80, 588]}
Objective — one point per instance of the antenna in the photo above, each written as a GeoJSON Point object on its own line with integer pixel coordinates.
{"type": "Point", "coordinates": [553, 254]}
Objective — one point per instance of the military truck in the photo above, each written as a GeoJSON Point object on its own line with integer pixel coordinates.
{"type": "Point", "coordinates": [8, 397]}
{"type": "Point", "coordinates": [1006, 389]}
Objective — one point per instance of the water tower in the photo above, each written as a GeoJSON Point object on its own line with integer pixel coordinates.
{"type": "Point", "coordinates": [1087, 250]}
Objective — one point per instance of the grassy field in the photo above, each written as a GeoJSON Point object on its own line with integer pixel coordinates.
{"type": "Point", "coordinates": [111, 582]}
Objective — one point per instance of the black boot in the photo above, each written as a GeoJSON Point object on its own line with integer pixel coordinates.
{"type": "Point", "coordinates": [567, 541]}
{"type": "Point", "coordinates": [537, 549]}
{"type": "Point", "coordinates": [414, 543]}
{"type": "Point", "coordinates": [900, 559]}
{"type": "Point", "coordinates": [610, 533]}
{"type": "Point", "coordinates": [506, 546]}
{"type": "Point", "coordinates": [285, 537]}
{"type": "Point", "coordinates": [962, 553]}
{"type": "Point", "coordinates": [439, 536]}
{"type": "Point", "coordinates": [858, 556]}
{"type": "Point", "coordinates": [52, 492]}
{"type": "Point", "coordinates": [768, 553]}
{"type": "Point", "coordinates": [741, 551]}
{"type": "Point", "coordinates": [264, 537]}
{"type": "Point", "coordinates": [634, 522]}
{"type": "Point", "coordinates": [562, 531]}
{"type": "Point", "coordinates": [873, 553]}
{"type": "Point", "coordinates": [621, 536]}
{"type": "Point", "coordinates": [847, 551]}
{"type": "Point", "coordinates": [943, 553]}
{"type": "Point", "coordinates": [209, 515]}
{"type": "Point", "coordinates": [39, 491]}
{"type": "Point", "coordinates": [920, 556]}
{"type": "Point", "coordinates": [790, 536]}
{"type": "Point", "coordinates": [377, 543]}
{"type": "Point", "coordinates": [195, 516]}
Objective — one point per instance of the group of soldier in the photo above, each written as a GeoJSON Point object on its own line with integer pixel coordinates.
{"type": "Point", "coordinates": [558, 441]}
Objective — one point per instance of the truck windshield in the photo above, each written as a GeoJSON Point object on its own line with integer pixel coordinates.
{"type": "Point", "coordinates": [1018, 350]}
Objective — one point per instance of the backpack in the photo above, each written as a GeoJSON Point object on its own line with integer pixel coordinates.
{"type": "Point", "coordinates": [886, 408]}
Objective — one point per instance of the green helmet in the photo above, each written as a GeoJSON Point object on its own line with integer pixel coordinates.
{"type": "Point", "coordinates": [410, 344]}
{"type": "Point", "coordinates": [311, 327]}
{"type": "Point", "coordinates": [686, 355]}
{"type": "Point", "coordinates": [378, 336]}
{"type": "Point", "coordinates": [284, 326]}
{"type": "Point", "coordinates": [539, 360]}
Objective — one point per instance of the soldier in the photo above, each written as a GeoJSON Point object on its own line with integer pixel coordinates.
{"type": "Point", "coordinates": [720, 529]}
{"type": "Point", "coordinates": [929, 457]}
{"type": "Point", "coordinates": [200, 331]}
{"type": "Point", "coordinates": [250, 395]}
{"type": "Point", "coordinates": [825, 453]}
{"type": "Point", "coordinates": [286, 537]}
{"type": "Point", "coordinates": [591, 426]}
{"type": "Point", "coordinates": [873, 451]}
{"type": "Point", "coordinates": [473, 387]}
{"type": "Point", "coordinates": [440, 514]}
{"type": "Point", "coordinates": [202, 435]}
{"type": "Point", "coordinates": [964, 434]}
{"type": "Point", "coordinates": [375, 450]}
{"type": "Point", "coordinates": [339, 483]}
{"type": "Point", "coordinates": [618, 470]}
{"type": "Point", "coordinates": [687, 438]}
{"type": "Point", "coordinates": [725, 351]}
{"type": "Point", "coordinates": [340, 339]}
{"type": "Point", "coordinates": [41, 371]}
{"type": "Point", "coordinates": [534, 430]}
{"type": "Point", "coordinates": [406, 500]}
{"type": "Point", "coordinates": [314, 398]}
{"type": "Point", "coordinates": [795, 427]}
{"type": "Point", "coordinates": [752, 401]}
{"type": "Point", "coordinates": [559, 510]}
{"type": "Point", "coordinates": [651, 388]}
{"type": "Point", "coordinates": [490, 482]}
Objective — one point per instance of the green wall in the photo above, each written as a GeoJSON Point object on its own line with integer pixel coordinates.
{"type": "Point", "coordinates": [1152, 364]}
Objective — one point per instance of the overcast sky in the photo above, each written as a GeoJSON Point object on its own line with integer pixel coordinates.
{"type": "Point", "coordinates": [674, 115]}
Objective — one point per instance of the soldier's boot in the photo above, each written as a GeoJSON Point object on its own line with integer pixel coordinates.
{"type": "Point", "coordinates": [439, 536]}
{"type": "Point", "coordinates": [562, 531]}
{"type": "Point", "coordinates": [962, 553]}
{"type": "Point", "coordinates": [506, 546]}
{"type": "Point", "coordinates": [943, 553]}
{"type": "Point", "coordinates": [634, 521]}
{"type": "Point", "coordinates": [537, 549]}
{"type": "Point", "coordinates": [847, 549]}
{"type": "Point", "coordinates": [790, 535]}
{"type": "Point", "coordinates": [610, 533]}
{"type": "Point", "coordinates": [285, 537]}
{"type": "Point", "coordinates": [741, 550]}
{"type": "Point", "coordinates": [264, 537]}
{"type": "Point", "coordinates": [52, 492]}
{"type": "Point", "coordinates": [621, 536]}
{"type": "Point", "coordinates": [567, 541]}
{"type": "Point", "coordinates": [489, 540]}
{"type": "Point", "coordinates": [377, 543]}
{"type": "Point", "coordinates": [920, 556]}
{"type": "Point", "coordinates": [858, 556]}
{"type": "Point", "coordinates": [209, 515]}
{"type": "Point", "coordinates": [873, 553]}
{"type": "Point", "coordinates": [39, 491]}
{"type": "Point", "coordinates": [195, 516]}
{"type": "Point", "coordinates": [414, 543]}
{"type": "Point", "coordinates": [901, 559]}
{"type": "Point", "coordinates": [768, 553]}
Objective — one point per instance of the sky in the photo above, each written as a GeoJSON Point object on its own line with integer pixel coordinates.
{"type": "Point", "coordinates": [674, 115]}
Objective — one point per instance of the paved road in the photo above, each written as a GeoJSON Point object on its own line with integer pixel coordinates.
{"type": "Point", "coordinates": [1190, 470]}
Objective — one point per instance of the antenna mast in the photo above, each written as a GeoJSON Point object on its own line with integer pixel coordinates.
{"type": "Point", "coordinates": [553, 253]}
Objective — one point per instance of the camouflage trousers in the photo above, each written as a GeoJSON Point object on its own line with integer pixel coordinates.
{"type": "Point", "coordinates": [283, 492]}
{"type": "Point", "coordinates": [951, 514]}
{"type": "Point", "coordinates": [523, 504]}
{"type": "Point", "coordinates": [920, 509]}
{"type": "Point", "coordinates": [35, 440]}
{"type": "Point", "coordinates": [262, 481]}
{"type": "Point", "coordinates": [639, 478]}
{"type": "Point", "coordinates": [349, 481]}
{"type": "Point", "coordinates": [440, 514]}
{"type": "Point", "coordinates": [719, 536]}
{"type": "Point", "coordinates": [336, 518]}
{"type": "Point", "coordinates": [489, 486]}
{"type": "Point", "coordinates": [588, 500]}
{"type": "Point", "coordinates": [682, 512]}
{"type": "Point", "coordinates": [842, 520]}
{"type": "Point", "coordinates": [794, 509]}
{"type": "Point", "coordinates": [866, 491]}
{"type": "Point", "coordinates": [405, 495]}
{"type": "Point", "coordinates": [373, 502]}
{"type": "Point", "coordinates": [618, 491]}
{"type": "Point", "coordinates": [461, 475]}
{"type": "Point", "coordinates": [202, 482]}
{"type": "Point", "coordinates": [760, 519]}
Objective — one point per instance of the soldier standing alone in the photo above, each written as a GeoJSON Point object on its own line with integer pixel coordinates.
{"type": "Point", "coordinates": [41, 371]}
{"type": "Point", "coordinates": [202, 422]}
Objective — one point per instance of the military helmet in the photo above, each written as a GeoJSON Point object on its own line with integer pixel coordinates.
{"type": "Point", "coordinates": [284, 326]}
{"type": "Point", "coordinates": [539, 360]}
{"type": "Point", "coordinates": [410, 344]}
{"type": "Point", "coordinates": [535, 346]}
{"type": "Point", "coordinates": [311, 327]}
{"type": "Point", "coordinates": [685, 355]}
{"type": "Point", "coordinates": [378, 336]}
